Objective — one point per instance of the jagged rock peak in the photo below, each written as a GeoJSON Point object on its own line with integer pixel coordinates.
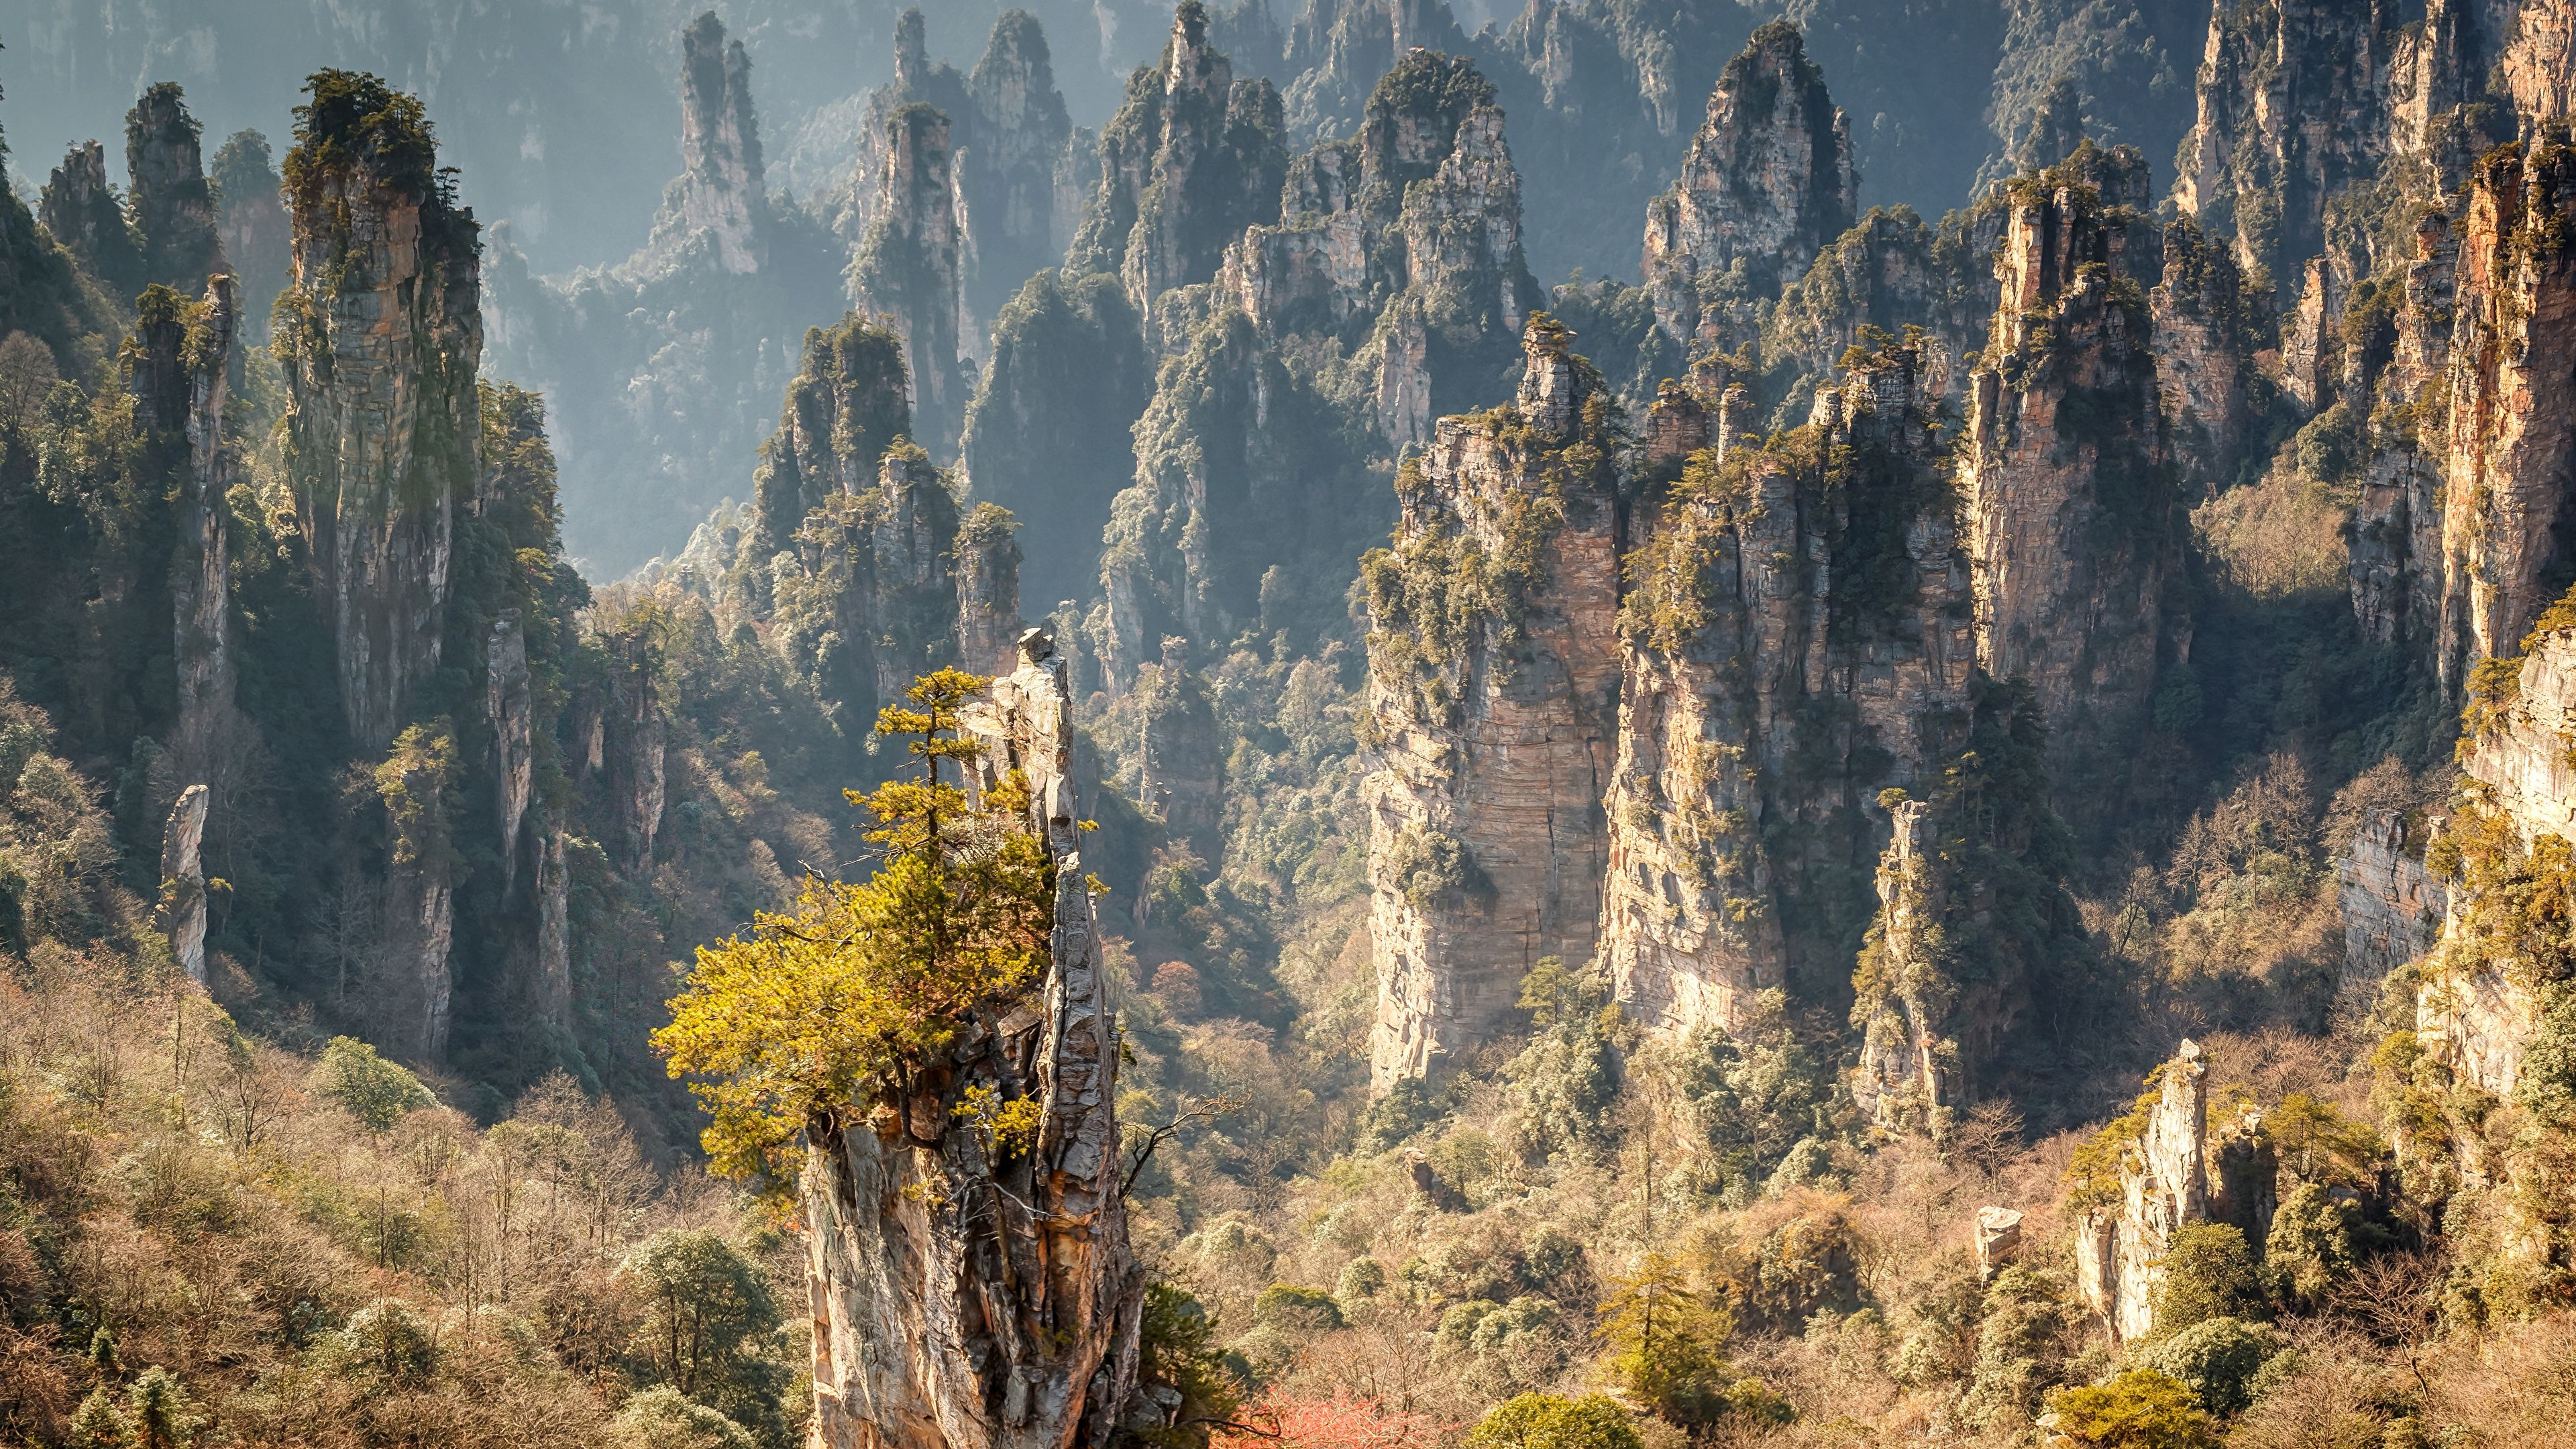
{"type": "Point", "coordinates": [909, 268]}
{"type": "Point", "coordinates": [80, 208]}
{"type": "Point", "coordinates": [1338, 49]}
{"type": "Point", "coordinates": [1767, 182]}
{"type": "Point", "coordinates": [846, 406]}
{"type": "Point", "coordinates": [174, 207]}
{"type": "Point", "coordinates": [722, 190]}
{"type": "Point", "coordinates": [1191, 158]}
{"type": "Point", "coordinates": [968, 1296]}
{"type": "Point", "coordinates": [1486, 840]}
{"type": "Point", "coordinates": [380, 353]}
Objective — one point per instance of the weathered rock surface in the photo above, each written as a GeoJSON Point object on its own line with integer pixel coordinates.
{"type": "Point", "coordinates": [1181, 774]}
{"type": "Point", "coordinates": [380, 338]}
{"type": "Point", "coordinates": [181, 914]}
{"type": "Point", "coordinates": [1491, 732]}
{"type": "Point", "coordinates": [988, 590]}
{"type": "Point", "coordinates": [509, 709]}
{"type": "Point", "coordinates": [1794, 634]}
{"type": "Point", "coordinates": [1337, 50]}
{"type": "Point", "coordinates": [1191, 159]}
{"type": "Point", "coordinates": [258, 243]}
{"type": "Point", "coordinates": [80, 208]}
{"type": "Point", "coordinates": [184, 401]}
{"type": "Point", "coordinates": [2293, 107]}
{"type": "Point", "coordinates": [174, 208]}
{"type": "Point", "coordinates": [722, 193]}
{"type": "Point", "coordinates": [907, 271]}
{"type": "Point", "coordinates": [2071, 502]}
{"type": "Point", "coordinates": [1412, 226]}
{"type": "Point", "coordinates": [2174, 1173]}
{"type": "Point", "coordinates": [846, 406]}
{"type": "Point", "coordinates": [965, 1296]}
{"type": "Point", "coordinates": [2392, 905]}
{"type": "Point", "coordinates": [1768, 182]}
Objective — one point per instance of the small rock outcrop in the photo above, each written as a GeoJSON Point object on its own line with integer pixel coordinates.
{"type": "Point", "coordinates": [174, 207]}
{"type": "Point", "coordinates": [2172, 1172]}
{"type": "Point", "coordinates": [181, 914]}
{"type": "Point", "coordinates": [965, 1293]}
{"type": "Point", "coordinates": [722, 192]}
{"type": "Point", "coordinates": [380, 340]}
{"type": "Point", "coordinates": [1492, 711]}
{"type": "Point", "coordinates": [1768, 182]}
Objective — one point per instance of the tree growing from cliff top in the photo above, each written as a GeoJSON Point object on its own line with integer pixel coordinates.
{"type": "Point", "coordinates": [824, 1011]}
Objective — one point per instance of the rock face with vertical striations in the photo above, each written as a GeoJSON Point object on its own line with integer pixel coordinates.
{"type": "Point", "coordinates": [181, 914]}
{"type": "Point", "coordinates": [962, 1295]}
{"type": "Point", "coordinates": [1794, 640]}
{"type": "Point", "coordinates": [2072, 505]}
{"type": "Point", "coordinates": [180, 398]}
{"type": "Point", "coordinates": [174, 207]}
{"type": "Point", "coordinates": [80, 208]}
{"type": "Point", "coordinates": [1768, 182]}
{"type": "Point", "coordinates": [722, 192]}
{"type": "Point", "coordinates": [1493, 699]}
{"type": "Point", "coordinates": [1409, 229]}
{"type": "Point", "coordinates": [251, 224]}
{"type": "Point", "coordinates": [1015, 144]}
{"type": "Point", "coordinates": [1191, 158]}
{"type": "Point", "coordinates": [2164, 1186]}
{"type": "Point", "coordinates": [380, 336]}
{"type": "Point", "coordinates": [2508, 444]}
{"type": "Point", "coordinates": [509, 708]}
{"type": "Point", "coordinates": [1338, 49]}
{"type": "Point", "coordinates": [907, 269]}
{"type": "Point", "coordinates": [1181, 772]}
{"type": "Point", "coordinates": [2392, 904]}
{"type": "Point", "coordinates": [988, 590]}
{"type": "Point", "coordinates": [2294, 100]}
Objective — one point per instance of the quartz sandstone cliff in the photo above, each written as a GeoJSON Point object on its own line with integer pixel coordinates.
{"type": "Point", "coordinates": [2173, 1173]}
{"type": "Point", "coordinates": [174, 208]}
{"type": "Point", "coordinates": [380, 335]}
{"type": "Point", "coordinates": [966, 1293]}
{"type": "Point", "coordinates": [1795, 639]}
{"type": "Point", "coordinates": [908, 269]}
{"type": "Point", "coordinates": [1493, 698]}
{"type": "Point", "coordinates": [2070, 497]}
{"type": "Point", "coordinates": [721, 194]}
{"type": "Point", "coordinates": [1768, 182]}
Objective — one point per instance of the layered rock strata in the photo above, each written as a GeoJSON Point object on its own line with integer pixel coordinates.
{"type": "Point", "coordinates": [2070, 498]}
{"type": "Point", "coordinates": [2392, 903]}
{"type": "Point", "coordinates": [380, 336]}
{"type": "Point", "coordinates": [1493, 701]}
{"type": "Point", "coordinates": [966, 1292]}
{"type": "Point", "coordinates": [1768, 182]}
{"type": "Point", "coordinates": [1794, 640]}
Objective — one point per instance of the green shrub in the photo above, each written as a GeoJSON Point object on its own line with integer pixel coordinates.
{"type": "Point", "coordinates": [1293, 1308]}
{"type": "Point", "coordinates": [662, 1417]}
{"type": "Point", "coordinates": [2141, 1409]}
{"type": "Point", "coordinates": [2216, 1358]}
{"type": "Point", "coordinates": [1552, 1421]}
{"type": "Point", "coordinates": [366, 1086]}
{"type": "Point", "coordinates": [2208, 1274]}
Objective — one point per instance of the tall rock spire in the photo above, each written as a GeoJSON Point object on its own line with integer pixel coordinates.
{"type": "Point", "coordinates": [381, 337]}
{"type": "Point", "coordinates": [721, 192]}
{"type": "Point", "coordinates": [1767, 183]}
{"type": "Point", "coordinates": [174, 207]}
{"type": "Point", "coordinates": [907, 270]}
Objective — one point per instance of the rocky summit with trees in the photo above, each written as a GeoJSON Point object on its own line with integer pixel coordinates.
{"type": "Point", "coordinates": [1364, 724]}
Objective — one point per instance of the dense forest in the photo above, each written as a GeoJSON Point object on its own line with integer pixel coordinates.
{"type": "Point", "coordinates": [1353, 724]}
